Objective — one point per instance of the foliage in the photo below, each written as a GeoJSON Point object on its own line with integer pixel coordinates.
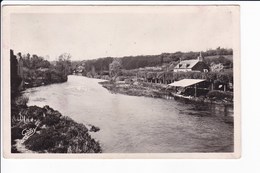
{"type": "Point", "coordinates": [41, 142]}
{"type": "Point", "coordinates": [218, 51]}
{"type": "Point", "coordinates": [101, 64]}
{"type": "Point", "coordinates": [227, 63]}
{"type": "Point", "coordinates": [128, 72]}
{"type": "Point", "coordinates": [216, 67]}
{"type": "Point", "coordinates": [63, 64]}
{"type": "Point", "coordinates": [151, 75]}
{"type": "Point", "coordinates": [115, 68]}
{"type": "Point", "coordinates": [55, 133]}
{"type": "Point", "coordinates": [35, 62]}
{"type": "Point", "coordinates": [211, 76]}
{"type": "Point", "coordinates": [220, 95]}
{"type": "Point", "coordinates": [37, 71]}
{"type": "Point", "coordinates": [141, 61]}
{"type": "Point", "coordinates": [223, 77]}
{"type": "Point", "coordinates": [16, 80]}
{"type": "Point", "coordinates": [65, 136]}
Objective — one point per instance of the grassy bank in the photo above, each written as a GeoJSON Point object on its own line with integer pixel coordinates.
{"type": "Point", "coordinates": [134, 90]}
{"type": "Point", "coordinates": [48, 131]}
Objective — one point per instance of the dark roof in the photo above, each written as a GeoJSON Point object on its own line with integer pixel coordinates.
{"type": "Point", "coordinates": [186, 64]}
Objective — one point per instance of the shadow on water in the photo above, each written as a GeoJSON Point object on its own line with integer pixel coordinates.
{"type": "Point", "coordinates": [224, 113]}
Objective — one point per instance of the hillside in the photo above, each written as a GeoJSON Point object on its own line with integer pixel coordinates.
{"type": "Point", "coordinates": [228, 57]}
{"type": "Point", "coordinates": [134, 62]}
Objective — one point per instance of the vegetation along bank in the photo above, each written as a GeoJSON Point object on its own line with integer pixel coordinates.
{"type": "Point", "coordinates": [44, 130]}
{"type": "Point", "coordinates": [150, 75]}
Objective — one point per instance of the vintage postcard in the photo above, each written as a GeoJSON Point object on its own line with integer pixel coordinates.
{"type": "Point", "coordinates": [121, 81]}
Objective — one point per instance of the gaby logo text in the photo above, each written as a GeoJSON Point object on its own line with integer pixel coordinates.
{"type": "Point", "coordinates": [28, 132]}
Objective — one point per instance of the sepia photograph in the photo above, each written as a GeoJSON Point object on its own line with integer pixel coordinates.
{"type": "Point", "coordinates": [121, 81]}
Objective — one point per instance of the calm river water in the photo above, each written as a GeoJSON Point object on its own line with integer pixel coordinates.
{"type": "Point", "coordinates": [132, 124]}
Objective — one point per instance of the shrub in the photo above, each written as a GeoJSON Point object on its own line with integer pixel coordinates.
{"type": "Point", "coordinates": [56, 133]}
{"type": "Point", "coordinates": [34, 112]}
{"type": "Point", "coordinates": [220, 95]}
{"type": "Point", "coordinates": [40, 142]}
{"type": "Point", "coordinates": [44, 141]}
{"type": "Point", "coordinates": [51, 120]}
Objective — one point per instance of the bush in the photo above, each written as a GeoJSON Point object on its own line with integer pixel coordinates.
{"type": "Point", "coordinates": [55, 134]}
{"type": "Point", "coordinates": [34, 112]}
{"type": "Point", "coordinates": [50, 120]}
{"type": "Point", "coordinates": [40, 142]}
{"type": "Point", "coordinates": [220, 95]}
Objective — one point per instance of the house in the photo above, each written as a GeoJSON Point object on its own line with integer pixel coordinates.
{"type": "Point", "coordinates": [79, 69]}
{"type": "Point", "coordinates": [192, 65]}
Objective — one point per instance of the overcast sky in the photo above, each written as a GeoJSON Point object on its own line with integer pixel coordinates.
{"type": "Point", "coordinates": [94, 33]}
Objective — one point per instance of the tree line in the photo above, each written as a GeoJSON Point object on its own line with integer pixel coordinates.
{"type": "Point", "coordinates": [37, 71]}
{"type": "Point", "coordinates": [223, 79]}
{"type": "Point", "coordinates": [100, 65]}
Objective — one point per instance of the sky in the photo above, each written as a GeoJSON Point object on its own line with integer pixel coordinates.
{"type": "Point", "coordinates": [95, 32]}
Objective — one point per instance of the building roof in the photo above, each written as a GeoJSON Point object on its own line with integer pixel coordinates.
{"type": "Point", "coordinates": [186, 64]}
{"type": "Point", "coordinates": [186, 82]}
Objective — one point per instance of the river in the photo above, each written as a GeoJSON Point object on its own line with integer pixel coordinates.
{"type": "Point", "coordinates": [130, 124]}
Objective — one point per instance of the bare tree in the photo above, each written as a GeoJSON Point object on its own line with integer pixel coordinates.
{"type": "Point", "coordinates": [115, 68]}
{"type": "Point", "coordinates": [64, 64]}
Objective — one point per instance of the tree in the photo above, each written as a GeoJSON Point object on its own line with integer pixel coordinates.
{"type": "Point", "coordinates": [115, 68]}
{"type": "Point", "coordinates": [34, 62]}
{"type": "Point", "coordinates": [63, 65]}
{"type": "Point", "coordinates": [223, 78]}
{"type": "Point", "coordinates": [15, 78]}
{"type": "Point", "coordinates": [216, 67]}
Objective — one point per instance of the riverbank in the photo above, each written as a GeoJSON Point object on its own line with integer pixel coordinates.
{"type": "Point", "coordinates": [159, 91]}
{"type": "Point", "coordinates": [121, 119]}
{"type": "Point", "coordinates": [45, 130]}
{"type": "Point", "coordinates": [43, 81]}
{"type": "Point", "coordinates": [134, 90]}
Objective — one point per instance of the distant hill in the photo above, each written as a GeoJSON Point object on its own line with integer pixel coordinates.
{"type": "Point", "coordinates": [229, 57]}
{"type": "Point", "coordinates": [135, 62]}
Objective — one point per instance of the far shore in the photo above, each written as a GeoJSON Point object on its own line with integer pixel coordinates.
{"type": "Point", "coordinates": [155, 91]}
